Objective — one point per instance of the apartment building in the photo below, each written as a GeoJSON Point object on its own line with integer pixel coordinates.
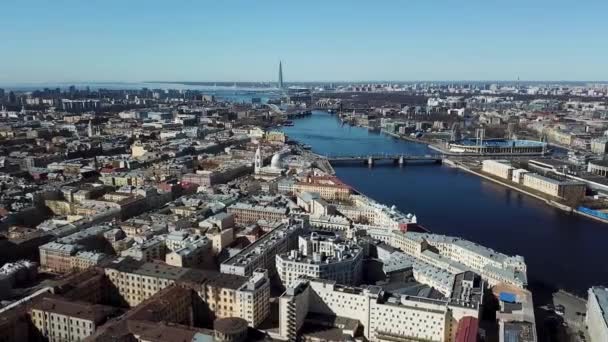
{"type": "Point", "coordinates": [56, 257]}
{"type": "Point", "coordinates": [187, 250]}
{"type": "Point", "coordinates": [384, 316]}
{"type": "Point", "coordinates": [329, 187]}
{"type": "Point", "coordinates": [69, 252]}
{"type": "Point", "coordinates": [321, 255]}
{"type": "Point", "coordinates": [136, 281]}
{"type": "Point", "coordinates": [226, 295]}
{"type": "Point", "coordinates": [62, 320]}
{"type": "Point", "coordinates": [254, 298]}
{"type": "Point", "coordinates": [147, 250]}
{"type": "Point", "coordinates": [247, 213]}
{"type": "Point", "coordinates": [262, 252]}
{"type": "Point", "coordinates": [457, 255]}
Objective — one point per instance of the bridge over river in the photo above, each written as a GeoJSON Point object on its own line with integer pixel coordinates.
{"type": "Point", "coordinates": [396, 159]}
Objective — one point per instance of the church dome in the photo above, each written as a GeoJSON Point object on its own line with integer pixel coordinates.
{"type": "Point", "coordinates": [275, 163]}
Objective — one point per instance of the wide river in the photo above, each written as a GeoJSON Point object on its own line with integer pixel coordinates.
{"type": "Point", "coordinates": [561, 250]}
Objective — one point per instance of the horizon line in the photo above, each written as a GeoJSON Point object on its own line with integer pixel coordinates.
{"type": "Point", "coordinates": [19, 83]}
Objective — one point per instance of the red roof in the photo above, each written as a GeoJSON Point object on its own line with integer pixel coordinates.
{"type": "Point", "coordinates": [467, 329]}
{"type": "Point", "coordinates": [107, 170]}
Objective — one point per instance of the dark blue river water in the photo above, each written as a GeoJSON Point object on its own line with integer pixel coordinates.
{"type": "Point", "coordinates": [561, 250]}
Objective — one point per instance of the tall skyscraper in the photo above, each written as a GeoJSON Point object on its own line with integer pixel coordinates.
{"type": "Point", "coordinates": [280, 75]}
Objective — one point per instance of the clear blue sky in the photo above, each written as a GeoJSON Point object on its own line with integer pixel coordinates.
{"type": "Point", "coordinates": [222, 40]}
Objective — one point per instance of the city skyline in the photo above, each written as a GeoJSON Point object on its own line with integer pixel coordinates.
{"type": "Point", "coordinates": [338, 41]}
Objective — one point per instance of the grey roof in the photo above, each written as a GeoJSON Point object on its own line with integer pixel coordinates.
{"type": "Point", "coordinates": [149, 269]}
{"type": "Point", "coordinates": [309, 196]}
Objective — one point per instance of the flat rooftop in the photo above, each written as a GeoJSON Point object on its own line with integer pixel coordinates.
{"type": "Point", "coordinates": [83, 310]}
{"type": "Point", "coordinates": [149, 269]}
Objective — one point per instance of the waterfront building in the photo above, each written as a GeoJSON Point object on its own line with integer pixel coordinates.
{"type": "Point", "coordinates": [369, 214]}
{"type": "Point", "coordinates": [440, 279]}
{"type": "Point", "coordinates": [518, 175]}
{"type": "Point", "coordinates": [566, 190]}
{"type": "Point", "coordinates": [321, 255]}
{"type": "Point", "coordinates": [498, 168]}
{"type": "Point", "coordinates": [458, 255]}
{"type": "Point", "coordinates": [597, 314]}
{"type": "Point", "coordinates": [563, 189]}
{"type": "Point", "coordinates": [328, 187]}
{"type": "Point", "coordinates": [497, 147]}
{"type": "Point", "coordinates": [262, 252]}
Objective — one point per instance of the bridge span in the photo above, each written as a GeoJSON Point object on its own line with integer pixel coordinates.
{"type": "Point", "coordinates": [397, 159]}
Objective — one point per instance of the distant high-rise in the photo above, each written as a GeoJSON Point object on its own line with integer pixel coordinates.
{"type": "Point", "coordinates": [280, 75]}
{"type": "Point", "coordinates": [90, 129]}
